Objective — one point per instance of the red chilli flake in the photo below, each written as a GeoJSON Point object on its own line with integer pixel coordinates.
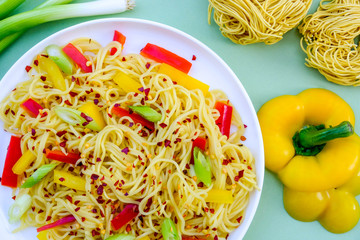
{"type": "Point", "coordinates": [239, 219]}
{"type": "Point", "coordinates": [48, 218]}
{"type": "Point", "coordinates": [240, 175]}
{"type": "Point", "coordinates": [94, 176]}
{"type": "Point", "coordinates": [146, 91]}
{"type": "Point", "coordinates": [61, 179]}
{"type": "Point", "coordinates": [36, 62]}
{"type": "Point", "coordinates": [69, 198]}
{"type": "Point", "coordinates": [77, 209]}
{"type": "Point", "coordinates": [167, 143]}
{"type": "Point", "coordinates": [61, 133]}
{"type": "Point", "coordinates": [141, 89]}
{"type": "Point", "coordinates": [193, 58]}
{"type": "Point", "coordinates": [28, 68]}
{"type": "Point", "coordinates": [163, 125]}
{"type": "Point", "coordinates": [147, 65]}
{"type": "Point", "coordinates": [67, 102]}
{"type": "Point", "coordinates": [216, 237]}
{"type": "Point", "coordinates": [100, 190]}
{"type": "Point", "coordinates": [225, 162]}
{"type": "Point", "coordinates": [125, 150]}
{"type": "Point", "coordinates": [43, 78]}
{"type": "Point", "coordinates": [73, 94]}
{"type": "Point", "coordinates": [128, 228]}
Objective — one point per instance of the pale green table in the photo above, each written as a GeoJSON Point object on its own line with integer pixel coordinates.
{"type": "Point", "coordinates": [265, 71]}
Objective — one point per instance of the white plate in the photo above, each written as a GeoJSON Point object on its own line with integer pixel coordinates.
{"type": "Point", "coordinates": [208, 67]}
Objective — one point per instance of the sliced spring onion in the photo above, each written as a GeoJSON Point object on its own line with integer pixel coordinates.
{"type": "Point", "coordinates": [202, 167]}
{"type": "Point", "coordinates": [60, 58]}
{"type": "Point", "coordinates": [169, 231]}
{"type": "Point", "coordinates": [19, 207]}
{"type": "Point", "coordinates": [7, 6]}
{"type": "Point", "coordinates": [26, 20]}
{"type": "Point", "coordinates": [121, 236]}
{"type": "Point", "coordinates": [147, 112]}
{"type": "Point", "coordinates": [75, 117]}
{"type": "Point", "coordinates": [38, 175]}
{"type": "Point", "coordinates": [7, 41]}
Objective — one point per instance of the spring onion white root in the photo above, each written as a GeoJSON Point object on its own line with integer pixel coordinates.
{"type": "Point", "coordinates": [26, 20]}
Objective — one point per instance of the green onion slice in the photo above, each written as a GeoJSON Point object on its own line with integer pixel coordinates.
{"type": "Point", "coordinates": [121, 236]}
{"type": "Point", "coordinates": [60, 58]}
{"type": "Point", "coordinates": [38, 175]}
{"type": "Point", "coordinates": [202, 167]}
{"type": "Point", "coordinates": [19, 207]}
{"type": "Point", "coordinates": [147, 112]}
{"type": "Point", "coordinates": [76, 118]}
{"type": "Point", "coordinates": [169, 231]}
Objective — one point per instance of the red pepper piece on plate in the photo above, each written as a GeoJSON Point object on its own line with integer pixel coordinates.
{"type": "Point", "coordinates": [224, 120]}
{"type": "Point", "coordinates": [60, 222]}
{"type": "Point", "coordinates": [77, 57]}
{"type": "Point", "coordinates": [162, 55]}
{"type": "Point", "coordinates": [62, 157]}
{"type": "Point", "coordinates": [118, 111]}
{"type": "Point", "coordinates": [31, 107]}
{"type": "Point", "coordinates": [126, 215]}
{"type": "Point", "coordinates": [119, 37]}
{"type": "Point", "coordinates": [9, 178]}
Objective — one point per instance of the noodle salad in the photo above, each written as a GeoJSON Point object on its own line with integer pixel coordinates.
{"type": "Point", "coordinates": [112, 146]}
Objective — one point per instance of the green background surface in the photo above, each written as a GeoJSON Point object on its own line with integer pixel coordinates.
{"type": "Point", "coordinates": [265, 72]}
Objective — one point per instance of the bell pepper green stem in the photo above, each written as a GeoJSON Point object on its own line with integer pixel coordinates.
{"type": "Point", "coordinates": [311, 139]}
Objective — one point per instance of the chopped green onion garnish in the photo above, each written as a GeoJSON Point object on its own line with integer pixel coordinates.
{"type": "Point", "coordinates": [169, 231]}
{"type": "Point", "coordinates": [38, 175]}
{"type": "Point", "coordinates": [60, 58]}
{"type": "Point", "coordinates": [147, 112]}
{"type": "Point", "coordinates": [121, 236]}
{"type": "Point", "coordinates": [76, 118]}
{"type": "Point", "coordinates": [19, 207]}
{"type": "Point", "coordinates": [202, 167]}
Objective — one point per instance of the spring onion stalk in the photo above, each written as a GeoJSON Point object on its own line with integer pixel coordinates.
{"type": "Point", "coordinates": [202, 167]}
{"type": "Point", "coordinates": [26, 20]}
{"type": "Point", "coordinates": [147, 112]}
{"type": "Point", "coordinates": [19, 207]}
{"type": "Point", "coordinates": [38, 175]}
{"type": "Point", "coordinates": [7, 6]}
{"type": "Point", "coordinates": [121, 236]}
{"type": "Point", "coordinates": [169, 231]}
{"type": "Point", "coordinates": [7, 41]}
{"type": "Point", "coordinates": [76, 118]}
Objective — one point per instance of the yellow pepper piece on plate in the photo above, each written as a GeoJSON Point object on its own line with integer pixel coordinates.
{"type": "Point", "coordinates": [183, 79]}
{"type": "Point", "coordinates": [24, 162]}
{"type": "Point", "coordinates": [310, 143]}
{"type": "Point", "coordinates": [126, 83]}
{"type": "Point", "coordinates": [219, 196]}
{"type": "Point", "coordinates": [42, 235]}
{"type": "Point", "coordinates": [53, 71]}
{"type": "Point", "coordinates": [69, 180]}
{"type": "Point", "coordinates": [93, 111]}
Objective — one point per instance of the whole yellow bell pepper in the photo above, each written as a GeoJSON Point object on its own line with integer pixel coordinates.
{"type": "Point", "coordinates": [310, 145]}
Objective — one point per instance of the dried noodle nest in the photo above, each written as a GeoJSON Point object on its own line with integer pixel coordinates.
{"type": "Point", "coordinates": [251, 21]}
{"type": "Point", "coordinates": [330, 41]}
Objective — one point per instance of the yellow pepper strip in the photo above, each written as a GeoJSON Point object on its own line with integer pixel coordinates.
{"type": "Point", "coordinates": [282, 117]}
{"type": "Point", "coordinates": [69, 180]}
{"type": "Point", "coordinates": [93, 111]}
{"type": "Point", "coordinates": [24, 162]}
{"type": "Point", "coordinates": [127, 83]}
{"type": "Point", "coordinates": [53, 71]}
{"type": "Point", "coordinates": [219, 196]}
{"type": "Point", "coordinates": [183, 79]}
{"type": "Point", "coordinates": [42, 235]}
{"type": "Point", "coordinates": [145, 238]}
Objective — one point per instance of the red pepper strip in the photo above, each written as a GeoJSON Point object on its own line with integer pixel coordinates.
{"type": "Point", "coordinates": [31, 107]}
{"type": "Point", "coordinates": [60, 222]}
{"type": "Point", "coordinates": [77, 57]}
{"type": "Point", "coordinates": [162, 55]}
{"type": "Point", "coordinates": [9, 178]}
{"type": "Point", "coordinates": [60, 156]}
{"type": "Point", "coordinates": [119, 37]}
{"type": "Point", "coordinates": [199, 142]}
{"type": "Point", "coordinates": [126, 215]}
{"type": "Point", "coordinates": [135, 117]}
{"type": "Point", "coordinates": [224, 121]}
